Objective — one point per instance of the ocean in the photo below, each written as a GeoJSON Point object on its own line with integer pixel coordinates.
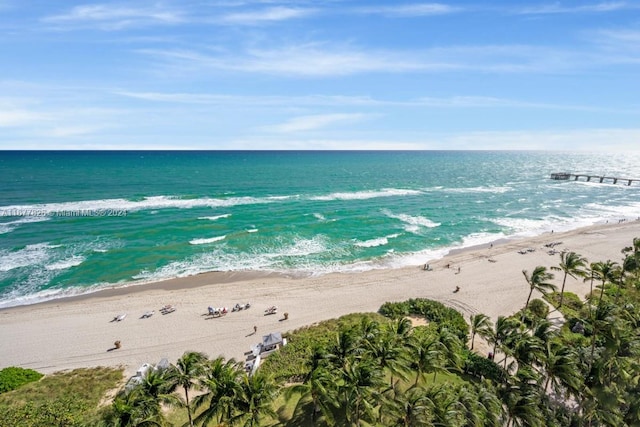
{"type": "Point", "coordinates": [75, 222]}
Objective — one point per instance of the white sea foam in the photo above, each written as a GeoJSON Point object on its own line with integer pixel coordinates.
{"type": "Point", "coordinates": [126, 206]}
{"type": "Point", "coordinates": [413, 221]}
{"type": "Point", "coordinates": [66, 263]}
{"type": "Point", "coordinates": [252, 230]}
{"type": "Point", "coordinates": [7, 227]}
{"type": "Point", "coordinates": [206, 241]}
{"type": "Point", "coordinates": [319, 216]}
{"type": "Point", "coordinates": [23, 297]}
{"type": "Point", "coordinates": [215, 218]}
{"type": "Point", "coordinates": [368, 194]}
{"type": "Point", "coordinates": [260, 259]}
{"type": "Point", "coordinates": [302, 247]}
{"type": "Point", "coordinates": [497, 190]}
{"type": "Point", "coordinates": [380, 241]}
{"type": "Point", "coordinates": [36, 254]}
{"type": "Point", "coordinates": [373, 242]}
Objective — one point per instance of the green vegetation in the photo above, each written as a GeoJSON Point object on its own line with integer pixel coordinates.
{"type": "Point", "coordinates": [12, 377]}
{"type": "Point", "coordinates": [378, 370]}
{"type": "Point", "coordinates": [62, 399]}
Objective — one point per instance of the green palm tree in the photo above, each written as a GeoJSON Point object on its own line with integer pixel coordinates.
{"type": "Point", "coordinates": [489, 405]}
{"type": "Point", "coordinates": [134, 408]}
{"type": "Point", "coordinates": [318, 384]}
{"type": "Point", "coordinates": [185, 373]}
{"type": "Point", "coordinates": [572, 265]}
{"type": "Point", "coordinates": [520, 396]}
{"type": "Point", "coordinates": [447, 409]}
{"type": "Point", "coordinates": [451, 348]}
{"type": "Point", "coordinates": [526, 349]}
{"type": "Point", "coordinates": [427, 356]}
{"type": "Point", "coordinates": [254, 400]}
{"type": "Point", "coordinates": [481, 325]}
{"type": "Point", "coordinates": [538, 281]}
{"type": "Point", "coordinates": [410, 408]}
{"type": "Point", "coordinates": [347, 344]}
{"type": "Point", "coordinates": [159, 385]}
{"type": "Point", "coordinates": [505, 327]}
{"type": "Point", "coordinates": [561, 369]}
{"type": "Point", "coordinates": [601, 320]}
{"type": "Point", "coordinates": [604, 271]}
{"type": "Point", "coordinates": [358, 390]}
{"type": "Point", "coordinates": [389, 352]}
{"type": "Point", "coordinates": [221, 385]}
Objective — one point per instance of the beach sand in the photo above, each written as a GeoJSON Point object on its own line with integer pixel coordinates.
{"type": "Point", "coordinates": [78, 332]}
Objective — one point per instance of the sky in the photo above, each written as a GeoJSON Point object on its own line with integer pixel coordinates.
{"type": "Point", "coordinates": [321, 75]}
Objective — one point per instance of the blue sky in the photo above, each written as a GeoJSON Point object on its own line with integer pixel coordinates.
{"type": "Point", "coordinates": [198, 74]}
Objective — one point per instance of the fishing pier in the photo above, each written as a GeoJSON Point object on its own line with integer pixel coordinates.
{"type": "Point", "coordinates": [565, 176]}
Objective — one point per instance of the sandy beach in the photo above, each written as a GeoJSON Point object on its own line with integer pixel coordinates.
{"type": "Point", "coordinates": [79, 332]}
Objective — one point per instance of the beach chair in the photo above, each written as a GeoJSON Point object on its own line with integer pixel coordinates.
{"type": "Point", "coordinates": [120, 317]}
{"type": "Point", "coordinates": [167, 309]}
{"type": "Point", "coordinates": [147, 314]}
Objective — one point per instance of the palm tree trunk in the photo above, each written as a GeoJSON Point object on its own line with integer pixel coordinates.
{"type": "Point", "coordinates": [473, 337]}
{"type": "Point", "coordinates": [546, 383]}
{"type": "Point", "coordinates": [593, 346]}
{"type": "Point", "coordinates": [562, 290]}
{"type": "Point", "coordinates": [591, 296]}
{"type": "Point", "coordinates": [601, 293]}
{"type": "Point", "coordinates": [186, 398]}
{"type": "Point", "coordinates": [527, 304]}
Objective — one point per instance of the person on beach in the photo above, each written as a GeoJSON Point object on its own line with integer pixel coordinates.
{"type": "Point", "coordinates": [255, 329]}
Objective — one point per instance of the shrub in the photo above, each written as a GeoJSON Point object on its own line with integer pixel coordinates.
{"type": "Point", "coordinates": [13, 377]}
{"type": "Point", "coordinates": [432, 311]}
{"type": "Point", "coordinates": [479, 366]}
{"type": "Point", "coordinates": [539, 308]}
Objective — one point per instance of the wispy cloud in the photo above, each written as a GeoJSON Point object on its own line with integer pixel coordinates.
{"type": "Point", "coordinates": [313, 122]}
{"type": "Point", "coordinates": [591, 139]}
{"type": "Point", "coordinates": [272, 14]}
{"type": "Point", "coordinates": [557, 8]}
{"type": "Point", "coordinates": [312, 60]}
{"type": "Point", "coordinates": [111, 18]}
{"type": "Point", "coordinates": [223, 99]}
{"type": "Point", "coordinates": [360, 101]}
{"type": "Point", "coordinates": [587, 139]}
{"type": "Point", "coordinates": [19, 117]}
{"type": "Point", "coordinates": [323, 59]}
{"type": "Point", "coordinates": [410, 10]}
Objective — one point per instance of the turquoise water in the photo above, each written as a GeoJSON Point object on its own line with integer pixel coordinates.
{"type": "Point", "coordinates": [72, 222]}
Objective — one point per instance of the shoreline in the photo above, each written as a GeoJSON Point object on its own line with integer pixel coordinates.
{"type": "Point", "coordinates": [77, 331]}
{"type": "Point", "coordinates": [223, 277]}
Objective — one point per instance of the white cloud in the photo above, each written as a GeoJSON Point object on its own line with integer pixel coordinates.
{"type": "Point", "coordinates": [267, 15]}
{"type": "Point", "coordinates": [313, 122]}
{"type": "Point", "coordinates": [17, 117]}
{"type": "Point", "coordinates": [240, 100]}
{"type": "Point", "coordinates": [599, 139]}
{"type": "Point", "coordinates": [359, 101]}
{"type": "Point", "coordinates": [585, 8]}
{"type": "Point", "coordinates": [410, 10]}
{"type": "Point", "coordinates": [70, 131]}
{"type": "Point", "coordinates": [108, 17]}
{"type": "Point", "coordinates": [596, 139]}
{"type": "Point", "coordinates": [308, 60]}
